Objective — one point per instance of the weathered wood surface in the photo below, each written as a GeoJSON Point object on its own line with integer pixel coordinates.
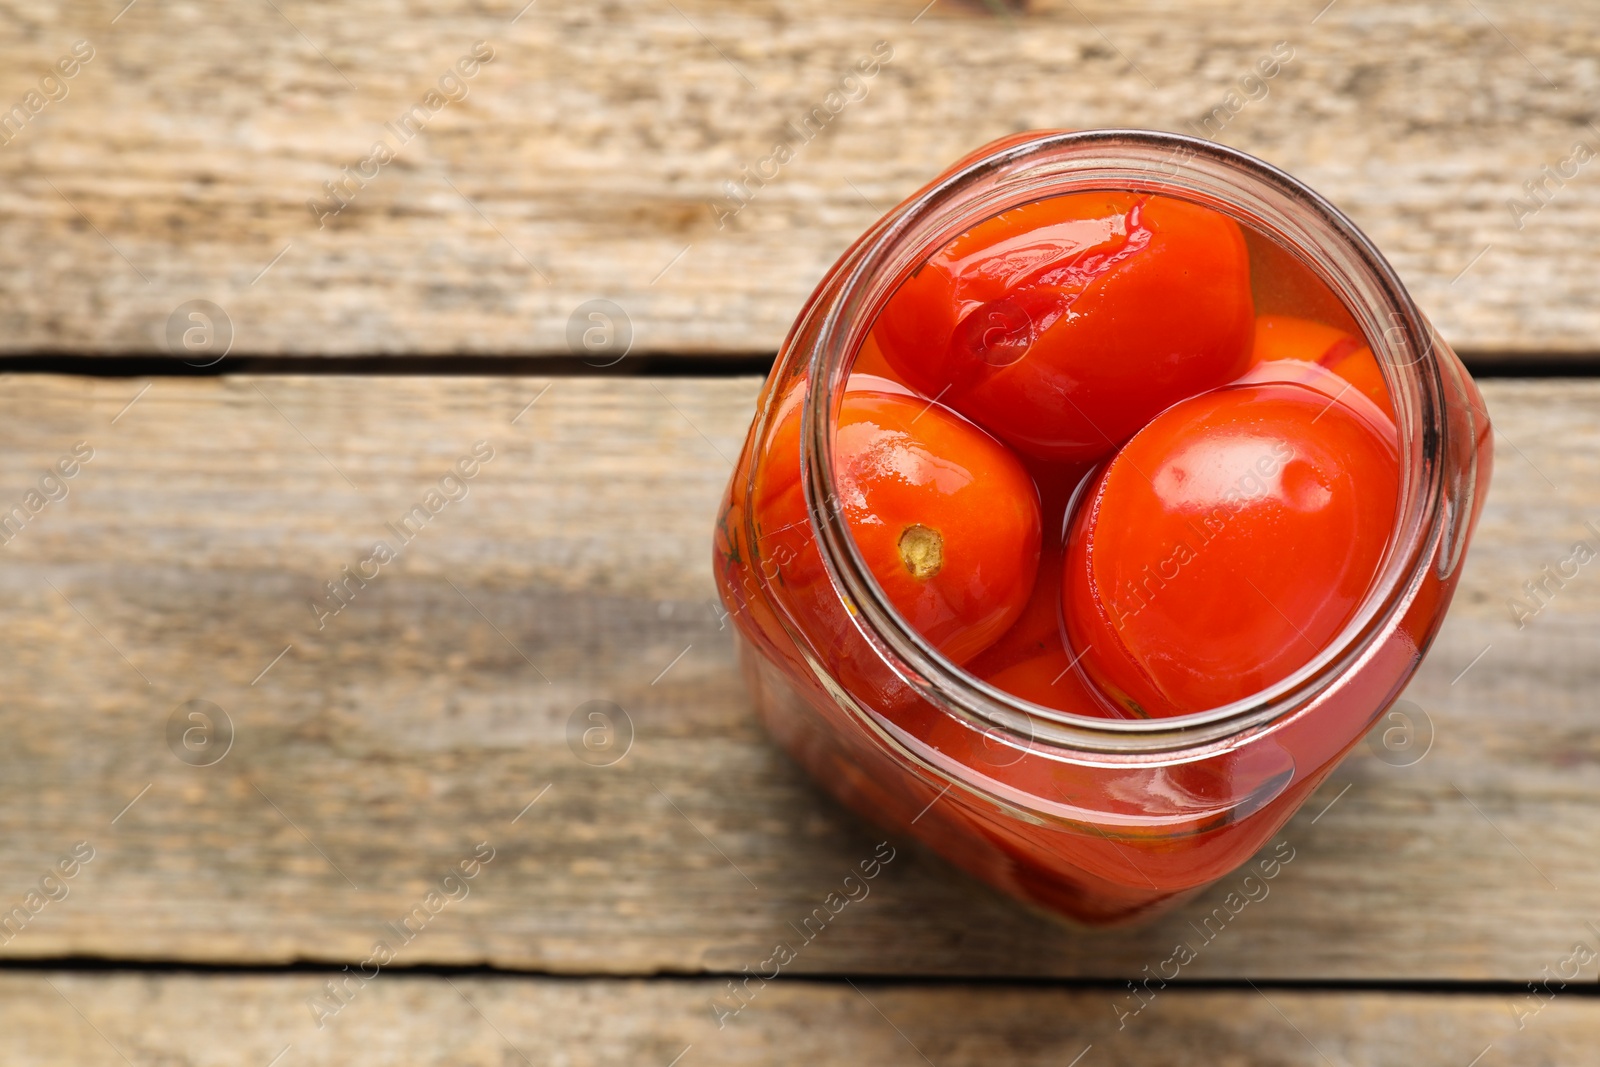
{"type": "Point", "coordinates": [582, 160]}
{"type": "Point", "coordinates": [376, 753]}
{"type": "Point", "coordinates": [81, 1020]}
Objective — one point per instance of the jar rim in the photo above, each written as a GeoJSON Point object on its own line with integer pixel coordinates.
{"type": "Point", "coordinates": [1254, 193]}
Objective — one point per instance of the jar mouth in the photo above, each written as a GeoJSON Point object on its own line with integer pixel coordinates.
{"type": "Point", "coordinates": [1255, 194]}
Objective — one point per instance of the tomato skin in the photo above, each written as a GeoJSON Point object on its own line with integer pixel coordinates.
{"type": "Point", "coordinates": [1284, 337]}
{"type": "Point", "coordinates": [1227, 544]}
{"type": "Point", "coordinates": [946, 518]}
{"type": "Point", "coordinates": [1051, 680]}
{"type": "Point", "coordinates": [1287, 337]}
{"type": "Point", "coordinates": [1065, 324]}
{"type": "Point", "coordinates": [913, 476]}
{"type": "Point", "coordinates": [1360, 368]}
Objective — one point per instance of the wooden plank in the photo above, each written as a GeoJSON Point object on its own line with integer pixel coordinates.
{"type": "Point", "coordinates": [87, 1020]}
{"type": "Point", "coordinates": [583, 161]}
{"type": "Point", "coordinates": [375, 754]}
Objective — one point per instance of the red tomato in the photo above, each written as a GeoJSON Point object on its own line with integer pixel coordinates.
{"type": "Point", "coordinates": [1065, 324]}
{"type": "Point", "coordinates": [946, 518]}
{"type": "Point", "coordinates": [1283, 337]}
{"type": "Point", "coordinates": [1286, 337]}
{"type": "Point", "coordinates": [1049, 679]}
{"type": "Point", "coordinates": [1359, 367]}
{"type": "Point", "coordinates": [1227, 544]}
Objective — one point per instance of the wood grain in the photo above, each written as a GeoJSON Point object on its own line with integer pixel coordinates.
{"type": "Point", "coordinates": [376, 753]}
{"type": "Point", "coordinates": [189, 1021]}
{"type": "Point", "coordinates": [583, 159]}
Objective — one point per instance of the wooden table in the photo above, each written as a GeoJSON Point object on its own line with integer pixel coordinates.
{"type": "Point", "coordinates": [372, 751]}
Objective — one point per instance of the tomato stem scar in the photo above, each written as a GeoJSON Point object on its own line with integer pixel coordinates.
{"type": "Point", "coordinates": [922, 551]}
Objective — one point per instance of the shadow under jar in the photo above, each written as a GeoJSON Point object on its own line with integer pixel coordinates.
{"type": "Point", "coordinates": [1099, 819]}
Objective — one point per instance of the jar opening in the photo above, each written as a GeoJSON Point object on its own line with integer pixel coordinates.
{"type": "Point", "coordinates": [1259, 197]}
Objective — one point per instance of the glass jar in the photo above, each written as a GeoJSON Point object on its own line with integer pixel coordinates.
{"type": "Point", "coordinates": [1101, 820]}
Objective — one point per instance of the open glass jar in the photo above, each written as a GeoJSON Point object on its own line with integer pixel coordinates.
{"type": "Point", "coordinates": [1099, 819]}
